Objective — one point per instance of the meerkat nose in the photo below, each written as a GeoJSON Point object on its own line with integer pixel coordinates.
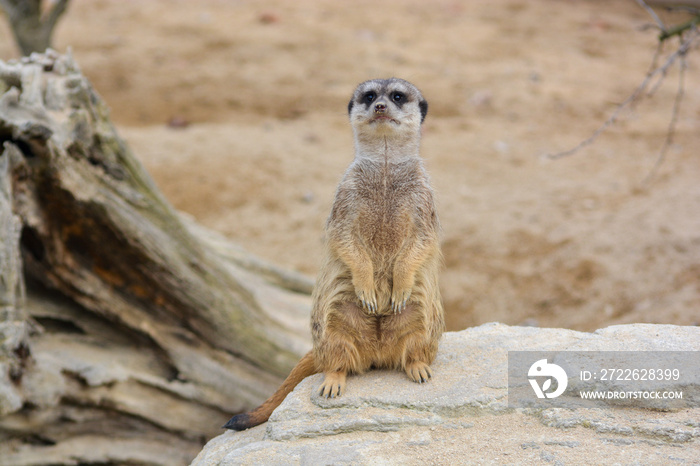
{"type": "Point", "coordinates": [379, 108]}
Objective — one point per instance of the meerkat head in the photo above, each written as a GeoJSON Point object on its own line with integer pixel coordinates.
{"type": "Point", "coordinates": [387, 107]}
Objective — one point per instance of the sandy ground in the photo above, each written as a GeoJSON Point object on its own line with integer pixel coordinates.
{"type": "Point", "coordinates": [261, 89]}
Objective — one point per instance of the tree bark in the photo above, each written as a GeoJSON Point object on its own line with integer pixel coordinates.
{"type": "Point", "coordinates": [13, 318]}
{"type": "Point", "coordinates": [149, 329]}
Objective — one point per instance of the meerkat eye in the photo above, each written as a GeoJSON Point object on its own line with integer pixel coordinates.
{"type": "Point", "coordinates": [398, 97]}
{"type": "Point", "coordinates": [369, 97]}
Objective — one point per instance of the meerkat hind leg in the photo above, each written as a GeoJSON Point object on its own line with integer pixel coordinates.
{"type": "Point", "coordinates": [333, 384]}
{"type": "Point", "coordinates": [418, 371]}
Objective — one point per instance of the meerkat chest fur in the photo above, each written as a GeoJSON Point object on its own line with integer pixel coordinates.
{"type": "Point", "coordinates": [387, 198]}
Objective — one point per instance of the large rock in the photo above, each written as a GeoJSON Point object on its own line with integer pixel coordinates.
{"type": "Point", "coordinates": [462, 414]}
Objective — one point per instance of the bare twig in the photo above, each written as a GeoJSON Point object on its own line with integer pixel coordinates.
{"type": "Point", "coordinates": [680, 29]}
{"type": "Point", "coordinates": [660, 78]}
{"type": "Point", "coordinates": [652, 13]}
{"type": "Point", "coordinates": [632, 98]}
{"type": "Point", "coordinates": [652, 81]}
{"type": "Point", "coordinates": [670, 133]}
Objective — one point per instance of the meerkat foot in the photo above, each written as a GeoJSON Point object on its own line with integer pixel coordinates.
{"type": "Point", "coordinates": [368, 298]}
{"type": "Point", "coordinates": [419, 372]}
{"type": "Point", "coordinates": [333, 385]}
{"type": "Point", "coordinates": [399, 299]}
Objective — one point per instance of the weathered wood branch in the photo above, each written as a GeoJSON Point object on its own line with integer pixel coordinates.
{"type": "Point", "coordinates": [13, 318]}
{"type": "Point", "coordinates": [32, 22]}
{"type": "Point", "coordinates": [148, 322]}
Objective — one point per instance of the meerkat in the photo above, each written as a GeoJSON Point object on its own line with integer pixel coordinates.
{"type": "Point", "coordinates": [376, 303]}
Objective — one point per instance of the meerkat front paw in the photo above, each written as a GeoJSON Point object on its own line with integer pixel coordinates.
{"type": "Point", "coordinates": [368, 298]}
{"type": "Point", "coordinates": [418, 371]}
{"type": "Point", "coordinates": [333, 385]}
{"type": "Point", "coordinates": [399, 299]}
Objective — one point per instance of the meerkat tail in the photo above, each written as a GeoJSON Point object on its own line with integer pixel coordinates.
{"type": "Point", "coordinates": [304, 368]}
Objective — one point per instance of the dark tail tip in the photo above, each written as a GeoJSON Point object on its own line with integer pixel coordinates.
{"type": "Point", "coordinates": [239, 422]}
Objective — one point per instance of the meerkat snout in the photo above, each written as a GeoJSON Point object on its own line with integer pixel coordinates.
{"type": "Point", "coordinates": [379, 108]}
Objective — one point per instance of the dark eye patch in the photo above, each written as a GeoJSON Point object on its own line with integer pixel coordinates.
{"type": "Point", "coordinates": [368, 97]}
{"type": "Point", "coordinates": [398, 97]}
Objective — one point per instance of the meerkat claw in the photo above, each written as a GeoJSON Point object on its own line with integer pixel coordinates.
{"type": "Point", "coordinates": [368, 302]}
{"type": "Point", "coordinates": [399, 306]}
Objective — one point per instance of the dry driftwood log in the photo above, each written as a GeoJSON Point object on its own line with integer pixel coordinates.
{"type": "Point", "coordinates": [141, 332]}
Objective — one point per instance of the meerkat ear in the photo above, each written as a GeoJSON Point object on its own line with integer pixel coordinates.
{"type": "Point", "coordinates": [352, 102]}
{"type": "Point", "coordinates": [423, 105]}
